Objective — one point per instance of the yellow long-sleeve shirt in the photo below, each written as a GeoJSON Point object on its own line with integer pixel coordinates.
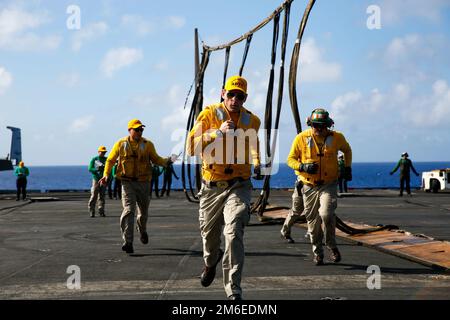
{"type": "Point", "coordinates": [135, 159]}
{"type": "Point", "coordinates": [308, 148]}
{"type": "Point", "coordinates": [220, 161]}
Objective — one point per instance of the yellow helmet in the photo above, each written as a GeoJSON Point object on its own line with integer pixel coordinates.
{"type": "Point", "coordinates": [102, 149]}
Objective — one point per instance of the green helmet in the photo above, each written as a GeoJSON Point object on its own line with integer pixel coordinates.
{"type": "Point", "coordinates": [320, 116]}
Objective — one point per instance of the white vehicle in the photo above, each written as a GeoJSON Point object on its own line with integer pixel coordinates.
{"type": "Point", "coordinates": [436, 180]}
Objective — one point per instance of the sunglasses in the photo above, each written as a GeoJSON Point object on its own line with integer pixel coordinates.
{"type": "Point", "coordinates": [319, 125]}
{"type": "Point", "coordinates": [139, 129]}
{"type": "Point", "coordinates": [238, 95]}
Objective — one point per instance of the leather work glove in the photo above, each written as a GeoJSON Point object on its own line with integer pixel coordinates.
{"type": "Point", "coordinates": [310, 168]}
{"type": "Point", "coordinates": [348, 173]}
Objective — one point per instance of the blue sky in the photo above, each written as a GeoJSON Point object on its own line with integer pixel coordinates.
{"type": "Point", "coordinates": [70, 91]}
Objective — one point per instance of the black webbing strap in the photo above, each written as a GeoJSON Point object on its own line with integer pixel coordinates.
{"type": "Point", "coordinates": [294, 67]}
{"type": "Point", "coordinates": [281, 77]}
{"type": "Point", "coordinates": [268, 112]}
{"type": "Point", "coordinates": [225, 69]}
{"type": "Point", "coordinates": [196, 108]}
{"type": "Point", "coordinates": [261, 204]}
{"type": "Point", "coordinates": [244, 57]}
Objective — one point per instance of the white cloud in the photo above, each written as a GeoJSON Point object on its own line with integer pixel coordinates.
{"type": "Point", "coordinates": [175, 22]}
{"type": "Point", "coordinates": [400, 46]}
{"type": "Point", "coordinates": [414, 56]}
{"type": "Point", "coordinates": [176, 120]}
{"type": "Point", "coordinates": [70, 80]}
{"type": "Point", "coordinates": [174, 100]}
{"type": "Point", "coordinates": [138, 24]}
{"type": "Point", "coordinates": [393, 12]}
{"type": "Point", "coordinates": [402, 92]}
{"type": "Point", "coordinates": [119, 58]}
{"type": "Point", "coordinates": [33, 42]}
{"type": "Point", "coordinates": [15, 20]}
{"type": "Point", "coordinates": [6, 80]}
{"type": "Point", "coordinates": [432, 110]}
{"type": "Point", "coordinates": [88, 33]}
{"type": "Point", "coordinates": [413, 46]}
{"type": "Point", "coordinates": [341, 104]}
{"type": "Point", "coordinates": [398, 107]}
{"type": "Point", "coordinates": [81, 124]}
{"type": "Point", "coordinates": [313, 68]}
{"type": "Point", "coordinates": [15, 30]}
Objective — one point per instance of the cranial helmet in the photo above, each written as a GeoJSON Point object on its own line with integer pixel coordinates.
{"type": "Point", "coordinates": [320, 116]}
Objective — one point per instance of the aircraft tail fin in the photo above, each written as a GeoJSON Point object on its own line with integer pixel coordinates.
{"type": "Point", "coordinates": [16, 146]}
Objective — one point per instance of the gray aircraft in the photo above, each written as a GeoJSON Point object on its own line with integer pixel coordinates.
{"type": "Point", "coordinates": [15, 155]}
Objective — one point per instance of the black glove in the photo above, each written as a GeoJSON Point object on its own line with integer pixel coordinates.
{"type": "Point", "coordinates": [310, 168]}
{"type": "Point", "coordinates": [257, 172]}
{"type": "Point", "coordinates": [417, 174]}
{"type": "Point", "coordinates": [391, 173]}
{"type": "Point", "coordinates": [348, 173]}
{"type": "Point", "coordinates": [299, 186]}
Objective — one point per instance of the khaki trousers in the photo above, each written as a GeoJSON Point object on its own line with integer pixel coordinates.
{"type": "Point", "coordinates": [296, 209]}
{"type": "Point", "coordinates": [134, 193]}
{"type": "Point", "coordinates": [320, 206]}
{"type": "Point", "coordinates": [228, 208]}
{"type": "Point", "coordinates": [97, 192]}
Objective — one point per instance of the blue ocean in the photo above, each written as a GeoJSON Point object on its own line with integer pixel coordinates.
{"type": "Point", "coordinates": [76, 178]}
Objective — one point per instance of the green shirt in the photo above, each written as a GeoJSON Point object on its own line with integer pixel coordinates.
{"type": "Point", "coordinates": [405, 166]}
{"type": "Point", "coordinates": [22, 172]}
{"type": "Point", "coordinates": [96, 167]}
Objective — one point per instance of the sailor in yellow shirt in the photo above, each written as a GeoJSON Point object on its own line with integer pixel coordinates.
{"type": "Point", "coordinates": [225, 136]}
{"type": "Point", "coordinates": [313, 156]}
{"type": "Point", "coordinates": [136, 156]}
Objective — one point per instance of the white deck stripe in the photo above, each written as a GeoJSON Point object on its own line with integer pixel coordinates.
{"type": "Point", "coordinates": [172, 287]}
